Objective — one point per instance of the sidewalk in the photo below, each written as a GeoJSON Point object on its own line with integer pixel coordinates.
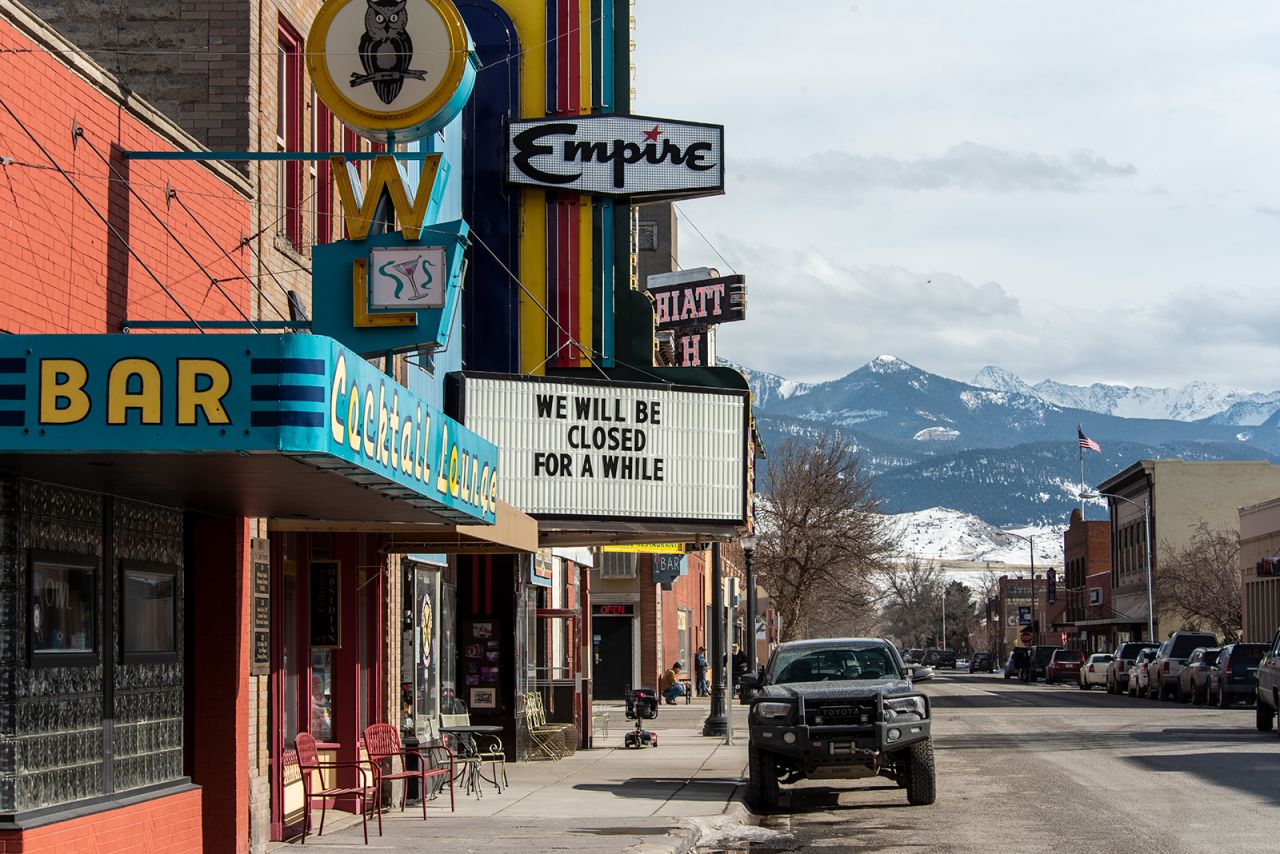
{"type": "Point", "coordinates": [605, 799]}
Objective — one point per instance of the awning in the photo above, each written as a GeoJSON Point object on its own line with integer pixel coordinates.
{"type": "Point", "coordinates": [512, 531]}
{"type": "Point", "coordinates": [1128, 607]}
{"type": "Point", "coordinates": [287, 426]}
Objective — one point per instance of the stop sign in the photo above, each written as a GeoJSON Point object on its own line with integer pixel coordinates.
{"type": "Point", "coordinates": [1026, 637]}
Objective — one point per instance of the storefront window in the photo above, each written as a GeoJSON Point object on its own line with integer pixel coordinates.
{"type": "Point", "coordinates": [63, 608]}
{"type": "Point", "coordinates": [322, 694]}
{"type": "Point", "coordinates": [448, 657]}
{"type": "Point", "coordinates": [426, 649]}
{"type": "Point", "coordinates": [150, 609]}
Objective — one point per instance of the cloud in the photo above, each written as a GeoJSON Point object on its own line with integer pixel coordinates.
{"type": "Point", "coordinates": [813, 318]}
{"type": "Point", "coordinates": [967, 166]}
{"type": "Point", "coordinates": [1267, 210]}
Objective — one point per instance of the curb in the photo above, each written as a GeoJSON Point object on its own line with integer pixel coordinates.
{"type": "Point", "coordinates": [686, 839]}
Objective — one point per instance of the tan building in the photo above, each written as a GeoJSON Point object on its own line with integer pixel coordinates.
{"type": "Point", "coordinates": [1181, 495]}
{"type": "Point", "coordinates": [1260, 570]}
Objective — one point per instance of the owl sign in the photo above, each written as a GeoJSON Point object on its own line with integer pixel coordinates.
{"type": "Point", "coordinates": [394, 70]}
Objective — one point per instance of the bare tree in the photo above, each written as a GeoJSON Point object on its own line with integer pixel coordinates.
{"type": "Point", "coordinates": [820, 538]}
{"type": "Point", "coordinates": [912, 610]}
{"type": "Point", "coordinates": [1201, 581]}
{"type": "Point", "coordinates": [984, 634]}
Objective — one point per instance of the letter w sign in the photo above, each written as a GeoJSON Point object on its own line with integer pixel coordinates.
{"type": "Point", "coordinates": [359, 206]}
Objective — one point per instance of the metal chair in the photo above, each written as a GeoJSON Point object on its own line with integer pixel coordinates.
{"type": "Point", "coordinates": [382, 744]}
{"type": "Point", "coordinates": [308, 761]}
{"type": "Point", "coordinates": [479, 748]}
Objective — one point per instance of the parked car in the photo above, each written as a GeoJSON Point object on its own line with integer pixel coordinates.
{"type": "Point", "coordinates": [1064, 664]}
{"type": "Point", "coordinates": [1171, 658]}
{"type": "Point", "coordinates": [982, 662]}
{"type": "Point", "coordinates": [1193, 681]}
{"type": "Point", "coordinates": [937, 658]}
{"type": "Point", "coordinates": [1094, 670]}
{"type": "Point", "coordinates": [1019, 658]}
{"type": "Point", "coordinates": [914, 656]}
{"type": "Point", "coordinates": [1039, 665]}
{"type": "Point", "coordinates": [1235, 675]}
{"type": "Point", "coordinates": [1122, 663]}
{"type": "Point", "coordinates": [1268, 688]}
{"type": "Point", "coordinates": [1138, 672]}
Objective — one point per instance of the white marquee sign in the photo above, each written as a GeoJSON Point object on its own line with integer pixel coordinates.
{"type": "Point", "coordinates": [637, 452]}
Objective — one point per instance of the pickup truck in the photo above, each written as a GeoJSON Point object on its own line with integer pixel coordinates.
{"type": "Point", "coordinates": [1268, 686]}
{"type": "Point", "coordinates": [839, 708]}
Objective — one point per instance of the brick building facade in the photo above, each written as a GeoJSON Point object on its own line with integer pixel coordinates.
{"type": "Point", "coordinates": [1087, 570]}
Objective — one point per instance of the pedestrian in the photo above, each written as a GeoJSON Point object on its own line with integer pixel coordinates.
{"type": "Point", "coordinates": [670, 686]}
{"type": "Point", "coordinates": [700, 667]}
{"type": "Point", "coordinates": [739, 666]}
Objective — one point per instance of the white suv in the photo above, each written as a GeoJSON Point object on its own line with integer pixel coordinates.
{"type": "Point", "coordinates": [1171, 658]}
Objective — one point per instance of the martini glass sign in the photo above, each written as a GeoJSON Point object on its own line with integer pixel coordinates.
{"type": "Point", "coordinates": [404, 276]}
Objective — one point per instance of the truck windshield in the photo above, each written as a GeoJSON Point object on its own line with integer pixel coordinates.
{"type": "Point", "coordinates": [867, 661]}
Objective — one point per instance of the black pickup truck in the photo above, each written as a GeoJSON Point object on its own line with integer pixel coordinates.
{"type": "Point", "coordinates": [840, 708]}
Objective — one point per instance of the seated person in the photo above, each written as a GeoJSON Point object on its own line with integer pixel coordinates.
{"type": "Point", "coordinates": [669, 685]}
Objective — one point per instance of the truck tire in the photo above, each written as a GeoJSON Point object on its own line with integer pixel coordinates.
{"type": "Point", "coordinates": [1263, 715]}
{"type": "Point", "coordinates": [762, 784]}
{"type": "Point", "coordinates": [921, 785]}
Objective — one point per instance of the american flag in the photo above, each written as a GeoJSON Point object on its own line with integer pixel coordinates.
{"type": "Point", "coordinates": [1088, 444]}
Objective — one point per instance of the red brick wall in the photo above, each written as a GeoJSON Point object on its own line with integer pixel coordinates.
{"type": "Point", "coordinates": [687, 592]}
{"type": "Point", "coordinates": [169, 825]}
{"type": "Point", "coordinates": [60, 271]}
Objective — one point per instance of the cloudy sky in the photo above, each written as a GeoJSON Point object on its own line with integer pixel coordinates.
{"type": "Point", "coordinates": [1087, 191]}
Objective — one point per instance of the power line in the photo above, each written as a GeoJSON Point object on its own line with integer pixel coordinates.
{"type": "Point", "coordinates": [80, 135]}
{"type": "Point", "coordinates": [125, 243]}
{"type": "Point", "coordinates": [704, 237]}
{"type": "Point", "coordinates": [173, 194]}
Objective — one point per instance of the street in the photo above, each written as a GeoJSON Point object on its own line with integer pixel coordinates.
{"type": "Point", "coordinates": [1030, 768]}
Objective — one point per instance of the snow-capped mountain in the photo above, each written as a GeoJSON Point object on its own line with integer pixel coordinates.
{"type": "Point", "coordinates": [1194, 401]}
{"type": "Point", "coordinates": [998, 451]}
{"type": "Point", "coordinates": [767, 389]}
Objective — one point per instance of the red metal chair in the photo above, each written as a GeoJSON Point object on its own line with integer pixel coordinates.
{"type": "Point", "coordinates": [366, 792]}
{"type": "Point", "coordinates": [382, 744]}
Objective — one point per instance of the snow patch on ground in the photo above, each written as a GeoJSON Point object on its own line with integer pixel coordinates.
{"type": "Point", "coordinates": [936, 434]}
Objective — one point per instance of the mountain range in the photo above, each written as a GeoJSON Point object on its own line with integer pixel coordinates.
{"type": "Point", "coordinates": [999, 448]}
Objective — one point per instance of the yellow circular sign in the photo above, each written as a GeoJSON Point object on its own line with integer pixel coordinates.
{"type": "Point", "coordinates": [393, 70]}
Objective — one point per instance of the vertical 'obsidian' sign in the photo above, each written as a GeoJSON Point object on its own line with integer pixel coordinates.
{"type": "Point", "coordinates": [326, 604]}
{"type": "Point", "coordinates": [260, 557]}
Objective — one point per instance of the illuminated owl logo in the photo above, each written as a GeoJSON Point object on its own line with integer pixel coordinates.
{"type": "Point", "coordinates": [386, 50]}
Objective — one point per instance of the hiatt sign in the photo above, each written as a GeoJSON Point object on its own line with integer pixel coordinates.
{"type": "Point", "coordinates": [696, 298]}
{"type": "Point", "coordinates": [577, 449]}
{"type": "Point", "coordinates": [609, 155]}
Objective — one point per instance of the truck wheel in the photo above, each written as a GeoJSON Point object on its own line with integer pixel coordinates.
{"type": "Point", "coordinates": [762, 784]}
{"type": "Point", "coordinates": [1263, 716]}
{"type": "Point", "coordinates": [921, 787]}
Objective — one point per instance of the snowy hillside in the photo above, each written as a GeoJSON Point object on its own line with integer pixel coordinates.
{"type": "Point", "coordinates": [941, 534]}
{"type": "Point", "coordinates": [767, 389]}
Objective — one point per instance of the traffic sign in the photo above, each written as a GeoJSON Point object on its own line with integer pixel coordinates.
{"type": "Point", "coordinates": [1025, 637]}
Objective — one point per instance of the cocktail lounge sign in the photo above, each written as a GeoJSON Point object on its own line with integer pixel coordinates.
{"type": "Point", "coordinates": [700, 301]}
{"type": "Point", "coordinates": [617, 155]}
{"type": "Point", "coordinates": [302, 396]}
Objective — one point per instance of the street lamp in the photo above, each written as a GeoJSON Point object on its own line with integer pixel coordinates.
{"type": "Point", "coordinates": [748, 544]}
{"type": "Point", "coordinates": [716, 723]}
{"type": "Point", "coordinates": [1146, 530]}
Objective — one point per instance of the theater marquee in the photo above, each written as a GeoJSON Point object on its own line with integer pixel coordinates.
{"type": "Point", "coordinates": [576, 449]}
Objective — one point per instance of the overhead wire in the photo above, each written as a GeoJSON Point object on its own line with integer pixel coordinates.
{"type": "Point", "coordinates": [213, 280]}
{"type": "Point", "coordinates": [111, 228]}
{"type": "Point", "coordinates": [173, 194]}
{"type": "Point", "coordinates": [705, 240]}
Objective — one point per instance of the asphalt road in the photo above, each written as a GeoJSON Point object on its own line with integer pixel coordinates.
{"type": "Point", "coordinates": [1031, 768]}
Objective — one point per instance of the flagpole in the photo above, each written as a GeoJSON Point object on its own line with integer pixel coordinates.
{"type": "Point", "coordinates": [1080, 446]}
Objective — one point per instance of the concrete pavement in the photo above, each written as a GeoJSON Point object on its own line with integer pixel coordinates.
{"type": "Point", "coordinates": [605, 799]}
